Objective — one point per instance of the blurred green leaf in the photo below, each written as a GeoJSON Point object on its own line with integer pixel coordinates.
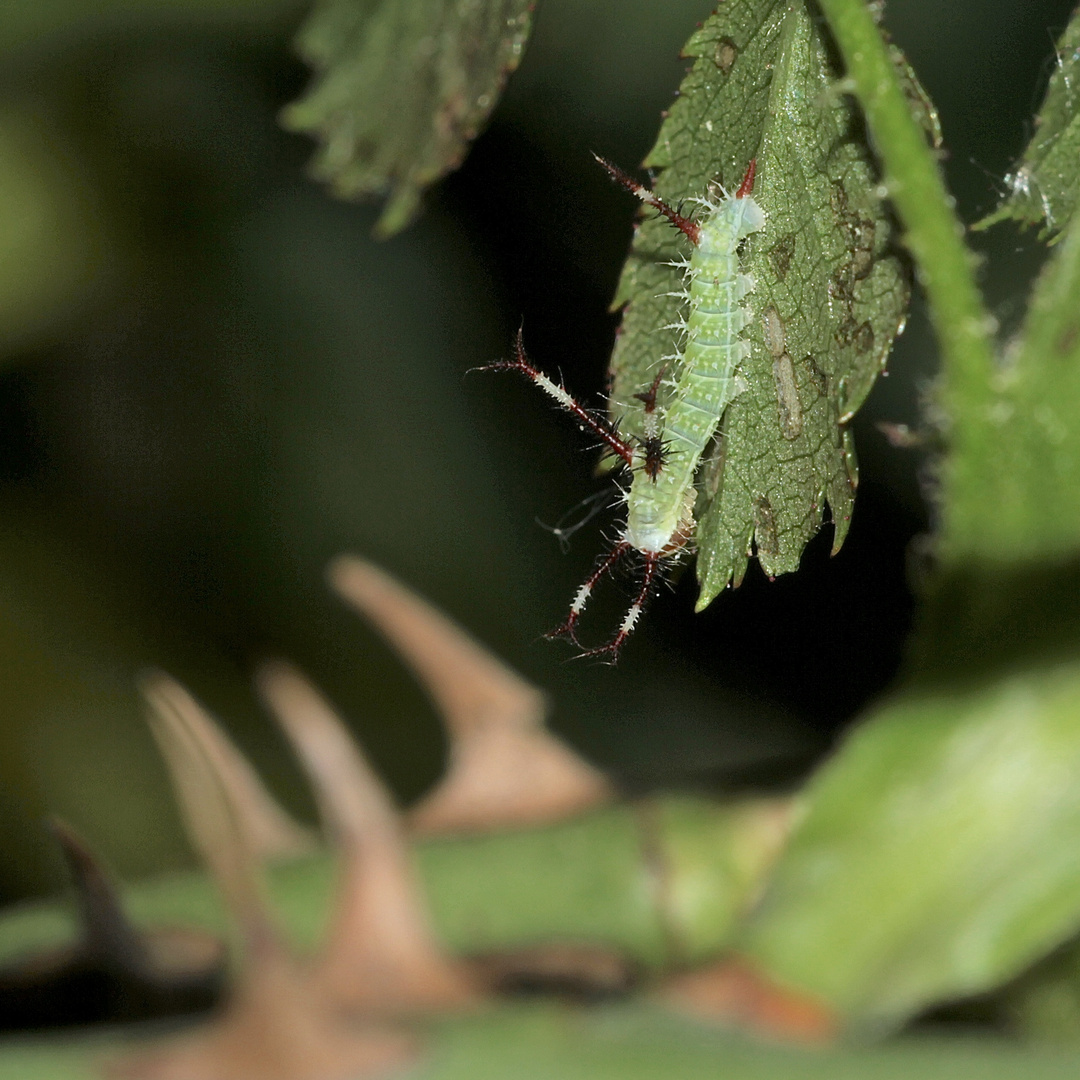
{"type": "Point", "coordinates": [1045, 184]}
{"type": "Point", "coordinates": [1020, 499]}
{"type": "Point", "coordinates": [401, 87]}
{"type": "Point", "coordinates": [940, 854]}
{"type": "Point", "coordinates": [762, 86]}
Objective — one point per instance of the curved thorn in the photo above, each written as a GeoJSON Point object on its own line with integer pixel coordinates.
{"type": "Point", "coordinates": [269, 831]}
{"type": "Point", "coordinates": [381, 955]}
{"type": "Point", "coordinates": [505, 768]}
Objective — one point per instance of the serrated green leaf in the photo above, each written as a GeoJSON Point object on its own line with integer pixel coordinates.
{"type": "Point", "coordinates": [922, 107]}
{"type": "Point", "coordinates": [401, 87]}
{"type": "Point", "coordinates": [761, 86]}
{"type": "Point", "coordinates": [1045, 185]}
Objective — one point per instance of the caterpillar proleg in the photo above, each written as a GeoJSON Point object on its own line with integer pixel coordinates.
{"type": "Point", "coordinates": [684, 404]}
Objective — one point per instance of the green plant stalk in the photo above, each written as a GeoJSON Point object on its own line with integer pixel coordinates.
{"type": "Point", "coordinates": [634, 1041]}
{"type": "Point", "coordinates": [934, 236]}
{"type": "Point", "coordinates": [663, 881]}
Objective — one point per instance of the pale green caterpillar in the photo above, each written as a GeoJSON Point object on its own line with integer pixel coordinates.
{"type": "Point", "coordinates": [664, 461]}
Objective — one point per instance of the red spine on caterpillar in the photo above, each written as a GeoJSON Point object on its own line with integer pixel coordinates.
{"type": "Point", "coordinates": [600, 426]}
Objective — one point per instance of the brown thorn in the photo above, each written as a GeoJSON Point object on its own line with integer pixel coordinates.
{"type": "Point", "coordinates": [274, 1029]}
{"type": "Point", "coordinates": [277, 1026]}
{"type": "Point", "coordinates": [268, 830]}
{"type": "Point", "coordinates": [505, 768]}
{"type": "Point", "coordinates": [210, 815]}
{"type": "Point", "coordinates": [381, 955]}
{"type": "Point", "coordinates": [107, 932]}
{"type": "Point", "coordinates": [114, 971]}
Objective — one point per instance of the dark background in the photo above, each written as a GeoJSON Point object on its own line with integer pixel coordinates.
{"type": "Point", "coordinates": [214, 380]}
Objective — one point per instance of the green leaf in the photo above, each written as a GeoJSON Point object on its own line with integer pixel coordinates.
{"type": "Point", "coordinates": [824, 269]}
{"type": "Point", "coordinates": [1020, 499]}
{"type": "Point", "coordinates": [940, 853]}
{"type": "Point", "coordinates": [922, 107]}
{"type": "Point", "coordinates": [1045, 185]}
{"type": "Point", "coordinates": [401, 87]}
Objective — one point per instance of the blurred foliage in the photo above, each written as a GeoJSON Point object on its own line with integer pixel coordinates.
{"type": "Point", "coordinates": [1016, 506]}
{"type": "Point", "coordinates": [581, 880]}
{"type": "Point", "coordinates": [218, 382]}
{"type": "Point", "coordinates": [31, 25]}
{"type": "Point", "coordinates": [634, 1042]}
{"type": "Point", "coordinates": [402, 87]}
{"type": "Point", "coordinates": [952, 817]}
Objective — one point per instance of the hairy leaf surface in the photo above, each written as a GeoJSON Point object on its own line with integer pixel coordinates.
{"type": "Point", "coordinates": [824, 269]}
{"type": "Point", "coordinates": [1045, 185]}
{"type": "Point", "coordinates": [401, 87]}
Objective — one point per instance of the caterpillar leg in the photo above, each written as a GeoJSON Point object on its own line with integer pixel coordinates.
{"type": "Point", "coordinates": [568, 628]}
{"type": "Point", "coordinates": [611, 649]}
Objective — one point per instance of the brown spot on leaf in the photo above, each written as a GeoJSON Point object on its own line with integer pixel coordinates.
{"type": "Point", "coordinates": [765, 535]}
{"type": "Point", "coordinates": [819, 377]}
{"type": "Point", "coordinates": [862, 250]}
{"type": "Point", "coordinates": [773, 329]}
{"type": "Point", "coordinates": [838, 200]}
{"type": "Point", "coordinates": [789, 407]}
{"type": "Point", "coordinates": [845, 332]}
{"type": "Point", "coordinates": [781, 254]}
{"type": "Point", "coordinates": [841, 285]}
{"type": "Point", "coordinates": [864, 338]}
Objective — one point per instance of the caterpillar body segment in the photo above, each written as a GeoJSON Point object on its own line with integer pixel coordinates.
{"type": "Point", "coordinates": [698, 383]}
{"type": "Point", "coordinates": [704, 376]}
